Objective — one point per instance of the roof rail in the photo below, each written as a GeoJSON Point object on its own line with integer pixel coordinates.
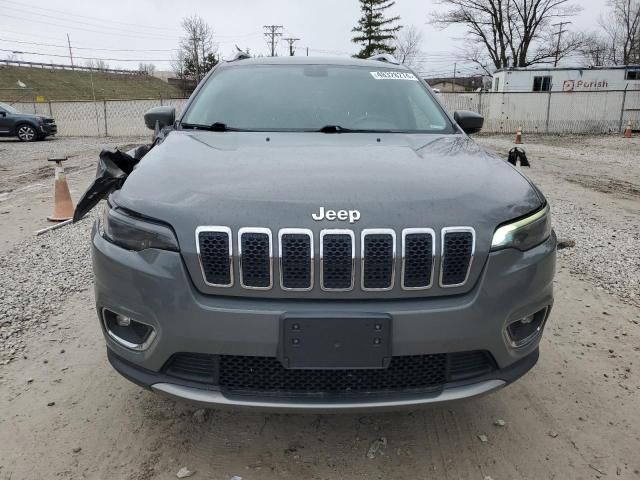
{"type": "Point", "coordinates": [240, 56]}
{"type": "Point", "coordinates": [384, 57]}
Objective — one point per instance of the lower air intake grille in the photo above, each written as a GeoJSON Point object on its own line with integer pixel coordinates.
{"type": "Point", "coordinates": [267, 376]}
{"type": "Point", "coordinates": [195, 367]}
{"type": "Point", "coordinates": [337, 261]}
{"type": "Point", "coordinates": [255, 259]}
{"type": "Point", "coordinates": [378, 257]}
{"type": "Point", "coordinates": [215, 257]}
{"type": "Point", "coordinates": [457, 252]}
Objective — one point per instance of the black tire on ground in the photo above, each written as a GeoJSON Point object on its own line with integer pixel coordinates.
{"type": "Point", "coordinates": [26, 133]}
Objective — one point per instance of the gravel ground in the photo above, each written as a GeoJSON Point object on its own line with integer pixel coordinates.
{"type": "Point", "coordinates": [40, 273]}
{"type": "Point", "coordinates": [574, 173]}
{"type": "Point", "coordinates": [38, 276]}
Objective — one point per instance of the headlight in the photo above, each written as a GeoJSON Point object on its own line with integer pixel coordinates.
{"type": "Point", "coordinates": [525, 233]}
{"type": "Point", "coordinates": [135, 233]}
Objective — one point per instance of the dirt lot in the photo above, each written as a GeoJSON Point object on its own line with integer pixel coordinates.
{"type": "Point", "coordinates": [65, 414]}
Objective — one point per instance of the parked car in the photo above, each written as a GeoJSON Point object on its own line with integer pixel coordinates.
{"type": "Point", "coordinates": [319, 235]}
{"type": "Point", "coordinates": [26, 126]}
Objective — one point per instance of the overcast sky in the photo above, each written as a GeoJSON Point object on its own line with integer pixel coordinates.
{"type": "Point", "coordinates": [150, 30]}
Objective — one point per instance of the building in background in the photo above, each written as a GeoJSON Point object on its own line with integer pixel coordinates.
{"type": "Point", "coordinates": [566, 79]}
{"type": "Point", "coordinates": [458, 84]}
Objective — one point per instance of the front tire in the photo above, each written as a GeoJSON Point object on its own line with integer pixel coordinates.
{"type": "Point", "coordinates": [26, 133]}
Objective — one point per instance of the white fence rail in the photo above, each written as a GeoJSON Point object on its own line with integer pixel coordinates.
{"type": "Point", "coordinates": [535, 112]}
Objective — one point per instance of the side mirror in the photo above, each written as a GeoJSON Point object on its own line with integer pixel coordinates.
{"type": "Point", "coordinates": [162, 116]}
{"type": "Point", "coordinates": [470, 122]}
{"type": "Point", "coordinates": [3, 114]}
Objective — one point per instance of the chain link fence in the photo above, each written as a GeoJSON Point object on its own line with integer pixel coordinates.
{"type": "Point", "coordinates": [550, 112]}
{"type": "Point", "coordinates": [535, 112]}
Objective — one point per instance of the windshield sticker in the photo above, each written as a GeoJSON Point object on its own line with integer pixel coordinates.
{"type": "Point", "coordinates": [394, 76]}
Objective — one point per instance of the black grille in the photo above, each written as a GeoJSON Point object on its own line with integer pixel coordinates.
{"type": "Point", "coordinates": [457, 250]}
{"type": "Point", "coordinates": [267, 376]}
{"type": "Point", "coordinates": [255, 260]}
{"type": "Point", "coordinates": [214, 255]}
{"type": "Point", "coordinates": [418, 260]}
{"type": "Point", "coordinates": [295, 251]}
{"type": "Point", "coordinates": [465, 365]}
{"type": "Point", "coordinates": [378, 260]}
{"type": "Point", "coordinates": [194, 367]}
{"type": "Point", "coordinates": [337, 262]}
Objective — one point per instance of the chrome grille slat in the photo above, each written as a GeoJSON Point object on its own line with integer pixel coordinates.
{"type": "Point", "coordinates": [255, 252]}
{"type": "Point", "coordinates": [337, 267]}
{"type": "Point", "coordinates": [337, 260]}
{"type": "Point", "coordinates": [378, 258]}
{"type": "Point", "coordinates": [215, 260]}
{"type": "Point", "coordinates": [296, 259]}
{"type": "Point", "coordinates": [418, 258]}
{"type": "Point", "coordinates": [457, 251]}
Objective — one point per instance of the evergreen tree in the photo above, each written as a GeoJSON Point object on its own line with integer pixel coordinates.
{"type": "Point", "coordinates": [374, 32]}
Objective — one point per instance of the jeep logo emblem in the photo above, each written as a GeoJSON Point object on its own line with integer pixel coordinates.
{"type": "Point", "coordinates": [331, 215]}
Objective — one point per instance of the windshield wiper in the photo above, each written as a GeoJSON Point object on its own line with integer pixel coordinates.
{"type": "Point", "coordinates": [214, 127]}
{"type": "Point", "coordinates": [334, 129]}
{"type": "Point", "coordinates": [339, 129]}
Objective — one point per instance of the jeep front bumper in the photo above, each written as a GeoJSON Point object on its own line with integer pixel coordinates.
{"type": "Point", "coordinates": [154, 287]}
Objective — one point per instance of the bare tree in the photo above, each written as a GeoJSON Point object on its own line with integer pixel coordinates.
{"type": "Point", "coordinates": [147, 68]}
{"type": "Point", "coordinates": [408, 44]}
{"type": "Point", "coordinates": [596, 50]}
{"type": "Point", "coordinates": [510, 33]}
{"type": "Point", "coordinates": [198, 47]}
{"type": "Point", "coordinates": [178, 63]}
{"type": "Point", "coordinates": [97, 63]}
{"type": "Point", "coordinates": [622, 29]}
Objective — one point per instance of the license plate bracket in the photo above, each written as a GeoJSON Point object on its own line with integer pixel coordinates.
{"type": "Point", "coordinates": [342, 341]}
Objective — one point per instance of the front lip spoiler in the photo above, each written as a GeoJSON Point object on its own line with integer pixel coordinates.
{"type": "Point", "coordinates": [209, 398]}
{"type": "Point", "coordinates": [193, 393]}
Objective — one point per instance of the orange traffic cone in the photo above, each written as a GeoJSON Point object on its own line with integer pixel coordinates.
{"type": "Point", "coordinates": [62, 203]}
{"type": "Point", "coordinates": [627, 130]}
{"type": "Point", "coordinates": [519, 136]}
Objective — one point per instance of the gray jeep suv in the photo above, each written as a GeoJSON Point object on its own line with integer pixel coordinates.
{"type": "Point", "coordinates": [319, 235]}
{"type": "Point", "coordinates": [27, 127]}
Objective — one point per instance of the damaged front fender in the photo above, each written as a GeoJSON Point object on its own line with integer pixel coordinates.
{"type": "Point", "coordinates": [114, 166]}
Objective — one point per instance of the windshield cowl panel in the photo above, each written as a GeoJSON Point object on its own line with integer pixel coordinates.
{"type": "Point", "coordinates": [332, 99]}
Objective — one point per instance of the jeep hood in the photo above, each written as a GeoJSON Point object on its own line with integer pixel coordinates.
{"type": "Point", "coordinates": [279, 180]}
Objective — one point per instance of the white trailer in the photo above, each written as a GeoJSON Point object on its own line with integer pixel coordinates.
{"type": "Point", "coordinates": [566, 79]}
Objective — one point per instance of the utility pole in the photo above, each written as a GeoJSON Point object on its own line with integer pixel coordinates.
{"type": "Point", "coordinates": [272, 32]}
{"type": "Point", "coordinates": [291, 41]}
{"type": "Point", "coordinates": [70, 54]}
{"type": "Point", "coordinates": [559, 33]}
{"type": "Point", "coordinates": [454, 76]}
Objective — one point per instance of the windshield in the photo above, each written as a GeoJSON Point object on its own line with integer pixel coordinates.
{"type": "Point", "coordinates": [8, 108]}
{"type": "Point", "coordinates": [310, 97]}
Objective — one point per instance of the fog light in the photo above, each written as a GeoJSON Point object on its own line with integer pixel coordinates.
{"type": "Point", "coordinates": [126, 331]}
{"type": "Point", "coordinates": [123, 321]}
{"type": "Point", "coordinates": [524, 331]}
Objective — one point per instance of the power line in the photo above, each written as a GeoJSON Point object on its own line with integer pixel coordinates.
{"type": "Point", "coordinates": [69, 14]}
{"type": "Point", "coordinates": [272, 32]}
{"type": "Point", "coordinates": [92, 30]}
{"type": "Point", "coordinates": [87, 48]}
{"type": "Point", "coordinates": [88, 58]}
